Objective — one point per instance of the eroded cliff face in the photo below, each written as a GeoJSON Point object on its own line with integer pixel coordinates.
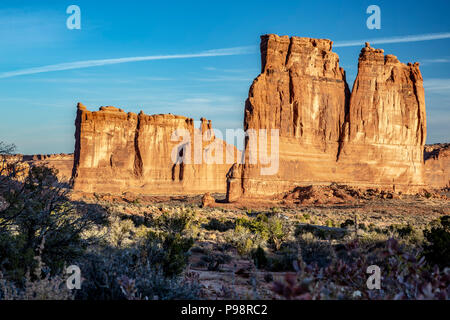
{"type": "Point", "coordinates": [302, 92]}
{"type": "Point", "coordinates": [386, 128]}
{"type": "Point", "coordinates": [373, 137]}
{"type": "Point", "coordinates": [120, 152]}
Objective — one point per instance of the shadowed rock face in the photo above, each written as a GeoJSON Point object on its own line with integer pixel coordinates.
{"type": "Point", "coordinates": [118, 152]}
{"type": "Point", "coordinates": [437, 166]}
{"type": "Point", "coordinates": [373, 137]}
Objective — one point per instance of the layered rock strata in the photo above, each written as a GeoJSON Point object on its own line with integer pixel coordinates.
{"type": "Point", "coordinates": [437, 166]}
{"type": "Point", "coordinates": [118, 152]}
{"type": "Point", "coordinates": [372, 137]}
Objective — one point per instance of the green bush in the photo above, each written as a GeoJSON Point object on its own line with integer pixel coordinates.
{"type": "Point", "coordinates": [219, 225]}
{"type": "Point", "coordinates": [103, 270]}
{"type": "Point", "coordinates": [167, 250]}
{"type": "Point", "coordinates": [39, 212]}
{"type": "Point", "coordinates": [437, 250]}
{"type": "Point", "coordinates": [213, 261]}
{"type": "Point", "coordinates": [259, 258]}
{"type": "Point", "coordinates": [269, 229]}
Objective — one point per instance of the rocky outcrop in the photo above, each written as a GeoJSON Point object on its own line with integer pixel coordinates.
{"type": "Point", "coordinates": [386, 127]}
{"type": "Point", "coordinates": [118, 152]}
{"type": "Point", "coordinates": [302, 92]}
{"type": "Point", "coordinates": [373, 137]}
{"type": "Point", "coordinates": [62, 163]}
{"type": "Point", "coordinates": [437, 166]}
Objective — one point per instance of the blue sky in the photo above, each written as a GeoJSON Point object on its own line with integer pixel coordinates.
{"type": "Point", "coordinates": [37, 110]}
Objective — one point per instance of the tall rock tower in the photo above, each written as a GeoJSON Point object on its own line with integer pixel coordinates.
{"type": "Point", "coordinates": [373, 137]}
{"type": "Point", "coordinates": [385, 133]}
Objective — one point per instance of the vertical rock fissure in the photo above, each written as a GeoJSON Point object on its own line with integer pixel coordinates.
{"type": "Point", "coordinates": [138, 166]}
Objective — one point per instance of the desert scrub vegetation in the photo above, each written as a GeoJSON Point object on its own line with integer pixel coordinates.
{"type": "Point", "coordinates": [437, 247]}
{"type": "Point", "coordinates": [139, 249]}
{"type": "Point", "coordinates": [37, 211]}
{"type": "Point", "coordinates": [42, 232]}
{"type": "Point", "coordinates": [406, 276]}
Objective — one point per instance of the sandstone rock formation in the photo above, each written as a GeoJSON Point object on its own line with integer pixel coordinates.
{"type": "Point", "coordinates": [386, 127]}
{"type": "Point", "coordinates": [63, 163]}
{"type": "Point", "coordinates": [373, 137]}
{"type": "Point", "coordinates": [208, 200]}
{"type": "Point", "coordinates": [118, 152]}
{"type": "Point", "coordinates": [302, 92]}
{"type": "Point", "coordinates": [437, 166]}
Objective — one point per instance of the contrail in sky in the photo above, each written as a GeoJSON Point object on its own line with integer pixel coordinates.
{"type": "Point", "coordinates": [210, 53]}
{"type": "Point", "coordinates": [104, 62]}
{"type": "Point", "coordinates": [399, 39]}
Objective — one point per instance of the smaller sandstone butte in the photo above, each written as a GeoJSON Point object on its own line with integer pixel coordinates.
{"type": "Point", "coordinates": [63, 163]}
{"type": "Point", "coordinates": [437, 165]}
{"type": "Point", "coordinates": [385, 129]}
{"type": "Point", "coordinates": [117, 152]}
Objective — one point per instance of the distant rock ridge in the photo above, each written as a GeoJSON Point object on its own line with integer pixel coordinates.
{"type": "Point", "coordinates": [62, 162]}
{"type": "Point", "coordinates": [118, 152]}
{"type": "Point", "coordinates": [371, 137]}
{"type": "Point", "coordinates": [437, 165]}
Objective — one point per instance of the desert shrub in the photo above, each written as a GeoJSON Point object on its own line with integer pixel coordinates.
{"type": "Point", "coordinates": [243, 240]}
{"type": "Point", "coordinates": [319, 232]}
{"type": "Point", "coordinates": [329, 223]}
{"type": "Point", "coordinates": [214, 260]}
{"type": "Point", "coordinates": [42, 286]}
{"type": "Point", "coordinates": [259, 257]}
{"type": "Point", "coordinates": [407, 277]}
{"type": "Point", "coordinates": [178, 221]}
{"type": "Point", "coordinates": [39, 211]}
{"type": "Point", "coordinates": [348, 223]}
{"type": "Point", "coordinates": [403, 231]}
{"type": "Point", "coordinates": [120, 231]}
{"type": "Point", "coordinates": [113, 274]}
{"type": "Point", "coordinates": [315, 251]}
{"type": "Point", "coordinates": [256, 226]}
{"type": "Point", "coordinates": [270, 229]}
{"type": "Point", "coordinates": [437, 248]}
{"type": "Point", "coordinates": [219, 225]}
{"type": "Point", "coordinates": [167, 250]}
{"type": "Point", "coordinates": [283, 259]}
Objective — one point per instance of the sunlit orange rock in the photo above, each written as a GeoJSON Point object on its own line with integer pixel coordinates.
{"type": "Point", "coordinates": [371, 137]}
{"type": "Point", "coordinates": [118, 152]}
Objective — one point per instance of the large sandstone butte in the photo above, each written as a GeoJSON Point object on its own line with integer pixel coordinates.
{"type": "Point", "coordinates": [117, 152]}
{"type": "Point", "coordinates": [371, 137]}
